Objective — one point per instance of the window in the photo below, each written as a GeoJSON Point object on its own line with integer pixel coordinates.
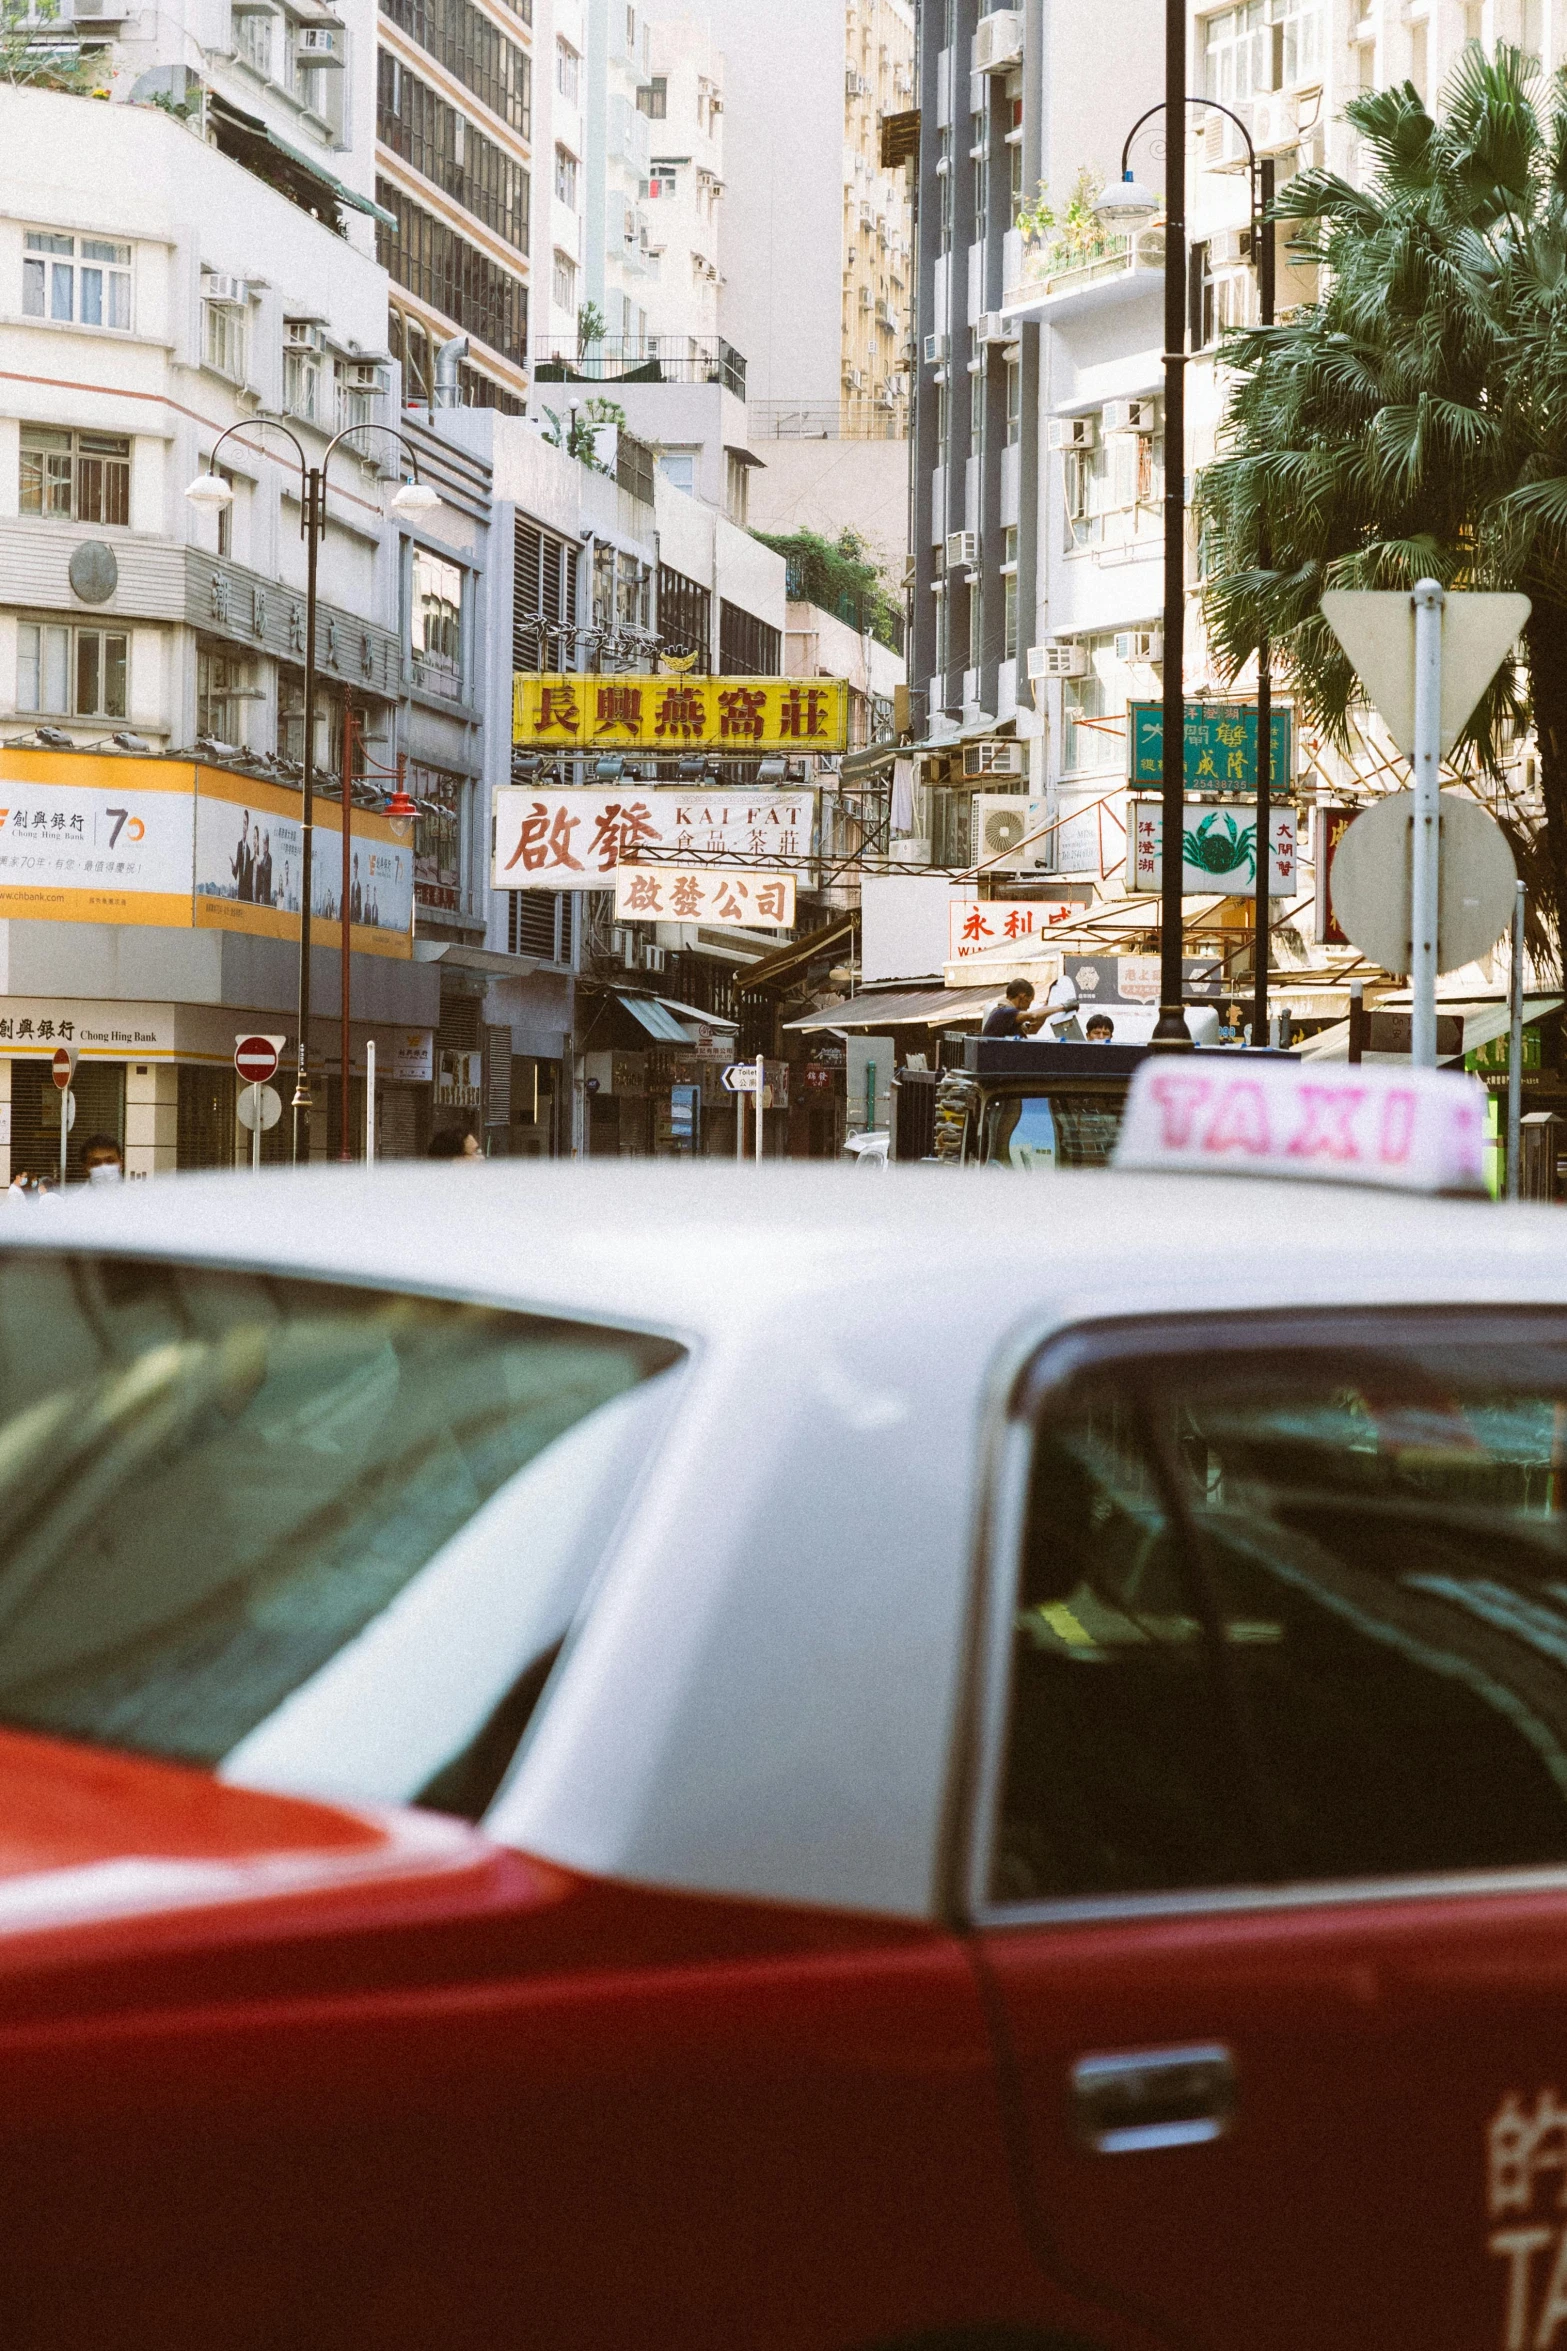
{"type": "Point", "coordinates": [1014, 403]}
{"type": "Point", "coordinates": [1009, 591]}
{"type": "Point", "coordinates": [568, 71]}
{"type": "Point", "coordinates": [437, 623]}
{"type": "Point", "coordinates": [70, 673]}
{"type": "Point", "coordinates": [438, 837]}
{"type": "Point", "coordinates": [685, 615]}
{"type": "Point", "coordinates": [442, 144]}
{"type": "Point", "coordinates": [1299, 40]}
{"type": "Point", "coordinates": [944, 171]}
{"type": "Point", "coordinates": [253, 30]}
{"type": "Point", "coordinates": [1099, 695]}
{"type": "Point", "coordinates": [976, 608]}
{"type": "Point", "coordinates": [223, 688]}
{"type": "Point", "coordinates": [453, 276]}
{"type": "Point", "coordinates": [737, 487]}
{"type": "Point", "coordinates": [1419, 59]}
{"type": "Point", "coordinates": [77, 477]}
{"type": "Point", "coordinates": [223, 338]}
{"type": "Point", "coordinates": [460, 37]}
{"type": "Point", "coordinates": [653, 98]}
{"type": "Point", "coordinates": [1531, 28]}
{"type": "Point", "coordinates": [678, 467]}
{"type": "Point", "coordinates": [249, 1658]}
{"type": "Point", "coordinates": [1035, 1131]}
{"type": "Point", "coordinates": [82, 281]}
{"type": "Point", "coordinates": [563, 282]}
{"type": "Point", "coordinates": [566, 177]}
{"type": "Point", "coordinates": [1371, 1522]}
{"type": "Point", "coordinates": [747, 647]}
{"type": "Point", "coordinates": [1237, 53]}
{"type": "Point", "coordinates": [302, 385]}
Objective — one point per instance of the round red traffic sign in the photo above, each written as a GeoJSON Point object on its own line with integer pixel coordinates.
{"type": "Point", "coordinates": [255, 1058]}
{"type": "Point", "coordinates": [61, 1067]}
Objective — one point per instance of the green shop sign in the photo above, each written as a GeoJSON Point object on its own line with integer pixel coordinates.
{"type": "Point", "coordinates": [1221, 746]}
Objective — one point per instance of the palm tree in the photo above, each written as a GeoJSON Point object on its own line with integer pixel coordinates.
{"type": "Point", "coordinates": [1412, 422]}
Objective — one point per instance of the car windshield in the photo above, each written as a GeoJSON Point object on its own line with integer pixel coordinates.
{"type": "Point", "coordinates": [320, 1536]}
{"type": "Point", "coordinates": [1295, 1613]}
{"type": "Point", "coordinates": [1031, 1131]}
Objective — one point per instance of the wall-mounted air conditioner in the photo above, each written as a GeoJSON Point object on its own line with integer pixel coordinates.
{"type": "Point", "coordinates": [1222, 144]}
{"type": "Point", "coordinates": [1061, 660]}
{"type": "Point", "coordinates": [962, 550]}
{"type": "Point", "coordinates": [1000, 832]}
{"type": "Point", "coordinates": [228, 293]}
{"type": "Point", "coordinates": [935, 350]}
{"type": "Point", "coordinates": [1074, 432]}
{"type": "Point", "coordinates": [1001, 755]}
{"type": "Point", "coordinates": [1275, 122]}
{"type": "Point", "coordinates": [1131, 416]}
{"type": "Point", "coordinates": [319, 44]}
{"type": "Point", "coordinates": [998, 41]}
{"type": "Point", "coordinates": [303, 334]}
{"type": "Point", "coordinates": [991, 327]}
{"type": "Point", "coordinates": [367, 375]}
{"type": "Point", "coordinates": [1227, 248]}
{"type": "Point", "coordinates": [1139, 645]}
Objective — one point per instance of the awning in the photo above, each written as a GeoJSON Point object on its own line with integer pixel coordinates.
{"type": "Point", "coordinates": [710, 1020]}
{"type": "Point", "coordinates": [857, 764]}
{"type": "Point", "coordinates": [1483, 1023]}
{"type": "Point", "coordinates": [656, 1018]}
{"type": "Point", "coordinates": [744, 456]}
{"type": "Point", "coordinates": [921, 1008]}
{"type": "Point", "coordinates": [228, 115]}
{"type": "Point", "coordinates": [770, 970]}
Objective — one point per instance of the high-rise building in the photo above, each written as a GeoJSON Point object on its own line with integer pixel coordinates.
{"type": "Point", "coordinates": [454, 123]}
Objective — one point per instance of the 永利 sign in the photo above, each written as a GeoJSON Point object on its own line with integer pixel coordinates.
{"type": "Point", "coordinates": [975, 925]}
{"type": "Point", "coordinates": [1221, 746]}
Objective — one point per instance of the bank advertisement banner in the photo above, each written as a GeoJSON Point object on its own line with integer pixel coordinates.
{"type": "Point", "coordinates": [250, 866]}
{"type": "Point", "coordinates": [574, 840]}
{"type": "Point", "coordinates": [94, 840]}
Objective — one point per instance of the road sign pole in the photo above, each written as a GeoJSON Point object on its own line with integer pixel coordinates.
{"type": "Point", "coordinates": [1515, 1050]}
{"type": "Point", "coordinates": [761, 1080]}
{"type": "Point", "coordinates": [1426, 846]}
{"type": "Point", "coordinates": [65, 1129]}
{"type": "Point", "coordinates": [255, 1132]}
{"type": "Point", "coordinates": [370, 1102]}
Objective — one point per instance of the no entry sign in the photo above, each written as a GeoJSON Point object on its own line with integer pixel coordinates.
{"type": "Point", "coordinates": [255, 1058]}
{"type": "Point", "coordinates": [63, 1067]}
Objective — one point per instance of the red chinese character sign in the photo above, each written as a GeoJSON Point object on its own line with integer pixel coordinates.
{"type": "Point", "coordinates": [575, 840]}
{"type": "Point", "coordinates": [979, 925]}
{"type": "Point", "coordinates": [715, 894]}
{"type": "Point", "coordinates": [1219, 848]}
{"type": "Point", "coordinates": [753, 716]}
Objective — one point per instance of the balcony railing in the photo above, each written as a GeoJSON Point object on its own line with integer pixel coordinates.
{"type": "Point", "coordinates": [1055, 269]}
{"type": "Point", "coordinates": [643, 359]}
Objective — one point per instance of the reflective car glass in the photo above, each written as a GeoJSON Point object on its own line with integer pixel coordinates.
{"type": "Point", "coordinates": [1294, 1613]}
{"type": "Point", "coordinates": [234, 1506]}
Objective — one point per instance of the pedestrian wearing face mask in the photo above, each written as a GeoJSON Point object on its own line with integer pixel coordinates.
{"type": "Point", "coordinates": [102, 1160]}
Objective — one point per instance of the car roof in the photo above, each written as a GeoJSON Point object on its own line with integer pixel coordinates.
{"type": "Point", "coordinates": [762, 1697]}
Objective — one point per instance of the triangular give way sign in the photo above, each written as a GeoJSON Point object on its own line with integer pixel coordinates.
{"type": "Point", "coordinates": [1376, 628]}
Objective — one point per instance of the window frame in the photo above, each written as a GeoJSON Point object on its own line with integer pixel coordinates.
{"type": "Point", "coordinates": [76, 453]}
{"type": "Point", "coordinates": [1037, 1371]}
{"type": "Point", "coordinates": [74, 633]}
{"type": "Point", "coordinates": [111, 259]}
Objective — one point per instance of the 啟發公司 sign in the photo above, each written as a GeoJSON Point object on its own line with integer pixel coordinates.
{"type": "Point", "coordinates": [747, 717]}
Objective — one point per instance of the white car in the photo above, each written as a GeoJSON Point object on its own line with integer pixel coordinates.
{"type": "Point", "coordinates": [692, 1757]}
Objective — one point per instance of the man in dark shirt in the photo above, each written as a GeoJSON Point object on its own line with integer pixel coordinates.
{"type": "Point", "coordinates": [1011, 1017]}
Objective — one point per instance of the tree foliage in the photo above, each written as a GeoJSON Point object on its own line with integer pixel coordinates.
{"type": "Point", "coordinates": [842, 577]}
{"type": "Point", "coordinates": [1412, 422]}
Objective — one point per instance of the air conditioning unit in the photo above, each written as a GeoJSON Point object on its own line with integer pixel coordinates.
{"type": "Point", "coordinates": [962, 550]}
{"type": "Point", "coordinates": [653, 958]}
{"type": "Point", "coordinates": [1074, 432]}
{"type": "Point", "coordinates": [998, 41]}
{"type": "Point", "coordinates": [1002, 755]}
{"type": "Point", "coordinates": [1275, 122]}
{"type": "Point", "coordinates": [303, 334]}
{"type": "Point", "coordinates": [1139, 645]}
{"type": "Point", "coordinates": [1065, 659]}
{"type": "Point", "coordinates": [366, 375]}
{"type": "Point", "coordinates": [319, 44]}
{"type": "Point", "coordinates": [227, 293]}
{"type": "Point", "coordinates": [1131, 416]}
{"type": "Point", "coordinates": [999, 833]}
{"type": "Point", "coordinates": [1313, 151]}
{"type": "Point", "coordinates": [991, 327]}
{"type": "Point", "coordinates": [935, 350]}
{"type": "Point", "coordinates": [854, 377]}
{"type": "Point", "coordinates": [1222, 144]}
{"type": "Point", "coordinates": [1227, 248]}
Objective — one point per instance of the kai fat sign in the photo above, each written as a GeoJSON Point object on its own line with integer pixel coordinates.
{"type": "Point", "coordinates": [1414, 1130]}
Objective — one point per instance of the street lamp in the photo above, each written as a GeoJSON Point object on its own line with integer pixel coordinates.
{"type": "Point", "coordinates": [1129, 207]}
{"type": "Point", "coordinates": [209, 493]}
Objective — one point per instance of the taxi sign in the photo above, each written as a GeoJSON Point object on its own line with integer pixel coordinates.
{"type": "Point", "coordinates": [1409, 1130]}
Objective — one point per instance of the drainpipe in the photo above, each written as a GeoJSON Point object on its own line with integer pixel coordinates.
{"type": "Point", "coordinates": [447, 391]}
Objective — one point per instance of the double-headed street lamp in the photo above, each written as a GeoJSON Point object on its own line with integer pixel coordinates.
{"type": "Point", "coordinates": [210, 493]}
{"type": "Point", "coordinates": [1130, 207]}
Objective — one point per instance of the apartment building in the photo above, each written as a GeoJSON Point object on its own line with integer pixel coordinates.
{"type": "Point", "coordinates": [683, 99]}
{"type": "Point", "coordinates": [454, 147]}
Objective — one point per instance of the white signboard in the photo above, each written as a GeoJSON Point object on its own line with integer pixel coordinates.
{"type": "Point", "coordinates": [573, 840]}
{"type": "Point", "coordinates": [79, 854]}
{"type": "Point", "coordinates": [253, 857]}
{"type": "Point", "coordinates": [975, 926]}
{"type": "Point", "coordinates": [704, 893]}
{"type": "Point", "coordinates": [1220, 849]}
{"type": "Point", "coordinates": [413, 1057]}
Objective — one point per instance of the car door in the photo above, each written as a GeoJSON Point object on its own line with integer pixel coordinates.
{"type": "Point", "coordinates": [1269, 1873]}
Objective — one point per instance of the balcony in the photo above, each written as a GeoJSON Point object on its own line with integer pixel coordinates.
{"type": "Point", "coordinates": [1060, 280]}
{"type": "Point", "coordinates": [644, 359]}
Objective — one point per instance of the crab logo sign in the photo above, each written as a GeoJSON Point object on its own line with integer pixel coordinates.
{"type": "Point", "coordinates": [1218, 850]}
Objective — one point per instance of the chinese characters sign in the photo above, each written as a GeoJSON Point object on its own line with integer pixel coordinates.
{"type": "Point", "coordinates": [744, 716]}
{"type": "Point", "coordinates": [1219, 846]}
{"type": "Point", "coordinates": [704, 893]}
{"type": "Point", "coordinates": [1221, 746]}
{"type": "Point", "coordinates": [573, 840]}
{"type": "Point", "coordinates": [975, 926]}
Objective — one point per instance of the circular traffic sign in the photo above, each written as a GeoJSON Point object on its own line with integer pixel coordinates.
{"type": "Point", "coordinates": [260, 1106]}
{"type": "Point", "coordinates": [255, 1058]}
{"type": "Point", "coordinates": [1370, 882]}
{"type": "Point", "coordinates": [62, 1067]}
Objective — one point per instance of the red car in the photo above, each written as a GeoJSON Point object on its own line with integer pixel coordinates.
{"type": "Point", "coordinates": [663, 1760]}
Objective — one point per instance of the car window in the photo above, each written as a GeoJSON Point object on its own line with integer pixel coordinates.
{"type": "Point", "coordinates": [224, 1494]}
{"type": "Point", "coordinates": [1029, 1131]}
{"type": "Point", "coordinates": [1292, 1613]}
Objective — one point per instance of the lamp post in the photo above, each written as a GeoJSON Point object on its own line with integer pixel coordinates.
{"type": "Point", "coordinates": [210, 493]}
{"type": "Point", "coordinates": [1130, 207]}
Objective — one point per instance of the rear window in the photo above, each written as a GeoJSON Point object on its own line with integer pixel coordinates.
{"type": "Point", "coordinates": [318, 1536]}
{"type": "Point", "coordinates": [1293, 1612]}
{"type": "Point", "coordinates": [1031, 1131]}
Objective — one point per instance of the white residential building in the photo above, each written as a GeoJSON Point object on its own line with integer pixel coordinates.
{"type": "Point", "coordinates": [683, 100]}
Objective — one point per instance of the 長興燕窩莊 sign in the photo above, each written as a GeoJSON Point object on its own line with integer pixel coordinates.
{"type": "Point", "coordinates": [746, 717]}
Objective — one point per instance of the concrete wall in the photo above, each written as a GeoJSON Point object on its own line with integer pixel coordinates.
{"type": "Point", "coordinates": [826, 485]}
